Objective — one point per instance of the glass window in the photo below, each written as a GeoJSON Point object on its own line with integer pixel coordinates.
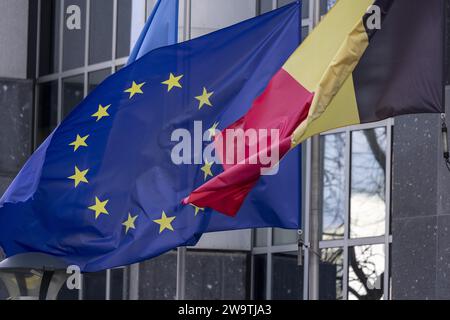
{"type": "Point", "coordinates": [119, 67]}
{"type": "Point", "coordinates": [47, 112]}
{"type": "Point", "coordinates": [305, 6]}
{"type": "Point", "coordinates": [94, 286]}
{"type": "Point", "coordinates": [73, 37]}
{"type": "Point", "coordinates": [368, 175]}
{"type": "Point", "coordinates": [3, 291]}
{"type": "Point", "coordinates": [333, 182]}
{"type": "Point", "coordinates": [354, 212]}
{"type": "Point", "coordinates": [119, 286]}
{"type": "Point", "coordinates": [211, 15]}
{"type": "Point", "coordinates": [73, 93]}
{"type": "Point", "coordinates": [67, 294]}
{"type": "Point", "coordinates": [100, 30]}
{"type": "Point", "coordinates": [331, 274]}
{"type": "Point", "coordinates": [216, 275]}
{"type": "Point", "coordinates": [259, 276]}
{"type": "Point", "coordinates": [287, 277]}
{"type": "Point", "coordinates": [366, 272]}
{"type": "Point", "coordinates": [49, 37]}
{"type": "Point", "coordinates": [97, 77]}
{"type": "Point", "coordinates": [123, 28]}
{"type": "Point", "coordinates": [305, 31]}
{"type": "Point", "coordinates": [265, 6]}
{"type": "Point", "coordinates": [157, 285]}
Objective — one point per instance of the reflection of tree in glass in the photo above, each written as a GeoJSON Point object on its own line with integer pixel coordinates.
{"type": "Point", "coordinates": [368, 171]}
{"type": "Point", "coordinates": [368, 176]}
{"type": "Point", "coordinates": [333, 186]}
{"type": "Point", "coordinates": [369, 162]}
{"type": "Point", "coordinates": [368, 182]}
{"type": "Point", "coordinates": [334, 257]}
{"type": "Point", "coordinates": [366, 277]}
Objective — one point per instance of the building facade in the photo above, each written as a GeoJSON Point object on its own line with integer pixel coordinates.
{"type": "Point", "coordinates": [379, 227]}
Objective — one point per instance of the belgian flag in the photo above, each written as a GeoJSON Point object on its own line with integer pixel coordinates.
{"type": "Point", "coordinates": [361, 74]}
{"type": "Point", "coordinates": [366, 61]}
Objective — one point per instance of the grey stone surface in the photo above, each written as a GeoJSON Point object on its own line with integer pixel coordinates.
{"type": "Point", "coordinates": [4, 183]}
{"type": "Point", "coordinates": [157, 278]}
{"type": "Point", "coordinates": [413, 255]}
{"type": "Point", "coordinates": [16, 103]}
{"type": "Point", "coordinates": [13, 38]}
{"type": "Point", "coordinates": [216, 275]}
{"type": "Point", "coordinates": [287, 278]}
{"type": "Point", "coordinates": [443, 171]}
{"type": "Point", "coordinates": [3, 292]}
{"type": "Point", "coordinates": [420, 257]}
{"type": "Point", "coordinates": [415, 161]}
{"type": "Point", "coordinates": [443, 258]}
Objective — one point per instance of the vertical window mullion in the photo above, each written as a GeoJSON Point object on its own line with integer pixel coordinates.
{"type": "Point", "coordinates": [60, 62]}
{"type": "Point", "coordinates": [86, 46]}
{"type": "Point", "coordinates": [269, 264]}
{"type": "Point", "coordinates": [38, 38]}
{"type": "Point", "coordinates": [36, 95]}
{"type": "Point", "coordinates": [348, 164]}
{"type": "Point", "coordinates": [114, 35]}
{"type": "Point", "coordinates": [306, 226]}
{"type": "Point", "coordinates": [108, 285]}
{"type": "Point", "coordinates": [388, 209]}
{"type": "Point", "coordinates": [269, 275]}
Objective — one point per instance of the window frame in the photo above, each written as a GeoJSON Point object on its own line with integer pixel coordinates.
{"type": "Point", "coordinates": [385, 239]}
{"type": "Point", "coordinates": [269, 249]}
{"type": "Point", "coordinates": [60, 75]}
{"type": "Point", "coordinates": [114, 64]}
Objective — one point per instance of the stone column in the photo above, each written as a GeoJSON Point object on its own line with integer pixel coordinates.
{"type": "Point", "coordinates": [420, 210]}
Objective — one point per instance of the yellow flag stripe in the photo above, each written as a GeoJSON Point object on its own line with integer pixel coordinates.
{"type": "Point", "coordinates": [341, 112]}
{"type": "Point", "coordinates": [323, 64]}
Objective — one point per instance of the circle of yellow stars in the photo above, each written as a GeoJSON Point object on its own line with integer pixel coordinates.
{"type": "Point", "coordinates": [80, 142]}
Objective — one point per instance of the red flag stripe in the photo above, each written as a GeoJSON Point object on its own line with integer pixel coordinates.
{"type": "Point", "coordinates": [283, 105]}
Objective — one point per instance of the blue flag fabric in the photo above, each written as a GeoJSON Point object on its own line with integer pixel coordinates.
{"type": "Point", "coordinates": [103, 191]}
{"type": "Point", "coordinates": [161, 29]}
{"type": "Point", "coordinates": [272, 196]}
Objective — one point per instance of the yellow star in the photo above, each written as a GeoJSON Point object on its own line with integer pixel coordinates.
{"type": "Point", "coordinates": [207, 169]}
{"type": "Point", "coordinates": [79, 176]}
{"type": "Point", "coordinates": [135, 89]}
{"type": "Point", "coordinates": [204, 99]}
{"type": "Point", "coordinates": [79, 142]}
{"type": "Point", "coordinates": [173, 82]}
{"type": "Point", "coordinates": [102, 112]}
{"type": "Point", "coordinates": [197, 209]}
{"type": "Point", "coordinates": [165, 222]}
{"type": "Point", "coordinates": [99, 207]}
{"type": "Point", "coordinates": [129, 223]}
{"type": "Point", "coordinates": [212, 130]}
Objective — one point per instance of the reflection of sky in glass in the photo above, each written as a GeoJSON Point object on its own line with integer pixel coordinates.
{"type": "Point", "coordinates": [367, 202]}
{"type": "Point", "coordinates": [330, 4]}
{"type": "Point", "coordinates": [333, 202]}
{"type": "Point", "coordinates": [366, 270]}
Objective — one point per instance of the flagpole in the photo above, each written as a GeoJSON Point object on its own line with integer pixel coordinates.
{"type": "Point", "coordinates": [314, 218]}
{"type": "Point", "coordinates": [181, 251]}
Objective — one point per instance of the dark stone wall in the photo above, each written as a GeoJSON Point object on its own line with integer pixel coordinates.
{"type": "Point", "coordinates": [16, 114]}
{"type": "Point", "coordinates": [420, 257]}
{"type": "Point", "coordinates": [217, 275]}
{"type": "Point", "coordinates": [209, 275]}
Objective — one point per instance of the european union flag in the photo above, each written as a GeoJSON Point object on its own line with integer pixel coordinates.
{"type": "Point", "coordinates": [103, 190]}
{"type": "Point", "coordinates": [161, 29]}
